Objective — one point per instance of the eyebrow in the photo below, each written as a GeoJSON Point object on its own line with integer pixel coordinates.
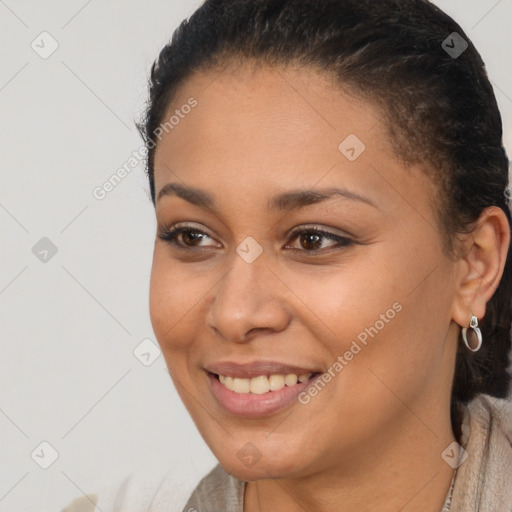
{"type": "Point", "coordinates": [287, 201]}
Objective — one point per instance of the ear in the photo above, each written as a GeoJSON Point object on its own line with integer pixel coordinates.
{"type": "Point", "coordinates": [481, 266]}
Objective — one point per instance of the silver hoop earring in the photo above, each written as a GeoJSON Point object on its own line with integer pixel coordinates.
{"type": "Point", "coordinates": [473, 324]}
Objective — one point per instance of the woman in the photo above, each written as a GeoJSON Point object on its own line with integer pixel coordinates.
{"type": "Point", "coordinates": [332, 276]}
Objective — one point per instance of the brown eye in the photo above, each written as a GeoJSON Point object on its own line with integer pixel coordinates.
{"type": "Point", "coordinates": [191, 237]}
{"type": "Point", "coordinates": [311, 239]}
{"type": "Point", "coordinates": [184, 237]}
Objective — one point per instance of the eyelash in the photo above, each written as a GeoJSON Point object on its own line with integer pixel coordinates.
{"type": "Point", "coordinates": [170, 234]}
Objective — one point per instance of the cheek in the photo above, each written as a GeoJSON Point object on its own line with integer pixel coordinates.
{"type": "Point", "coordinates": [388, 316]}
{"type": "Point", "coordinates": [341, 304]}
{"type": "Point", "coordinates": [173, 302]}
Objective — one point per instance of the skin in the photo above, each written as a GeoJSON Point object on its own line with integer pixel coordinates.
{"type": "Point", "coordinates": [372, 438]}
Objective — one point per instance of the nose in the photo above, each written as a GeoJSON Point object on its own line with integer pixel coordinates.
{"type": "Point", "coordinates": [248, 300]}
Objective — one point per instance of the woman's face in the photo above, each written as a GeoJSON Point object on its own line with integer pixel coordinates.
{"type": "Point", "coordinates": [364, 304]}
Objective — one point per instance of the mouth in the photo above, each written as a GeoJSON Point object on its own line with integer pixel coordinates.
{"type": "Point", "coordinates": [259, 395]}
{"type": "Point", "coordinates": [262, 384]}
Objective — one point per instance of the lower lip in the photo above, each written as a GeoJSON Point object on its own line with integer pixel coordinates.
{"type": "Point", "coordinates": [249, 405]}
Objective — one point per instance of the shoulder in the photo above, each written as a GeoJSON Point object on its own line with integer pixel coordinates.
{"type": "Point", "coordinates": [483, 478]}
{"type": "Point", "coordinates": [489, 425]}
{"type": "Point", "coordinates": [493, 414]}
{"type": "Point", "coordinates": [218, 490]}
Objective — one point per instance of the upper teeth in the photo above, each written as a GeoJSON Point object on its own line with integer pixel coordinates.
{"type": "Point", "coordinates": [262, 383]}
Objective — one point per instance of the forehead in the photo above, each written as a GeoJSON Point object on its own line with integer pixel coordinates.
{"type": "Point", "coordinates": [256, 127]}
{"type": "Point", "coordinates": [271, 105]}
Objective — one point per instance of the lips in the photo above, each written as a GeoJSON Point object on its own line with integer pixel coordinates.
{"type": "Point", "coordinates": [258, 388]}
{"type": "Point", "coordinates": [257, 368]}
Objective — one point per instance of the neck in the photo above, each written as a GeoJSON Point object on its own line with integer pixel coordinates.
{"type": "Point", "coordinates": [412, 476]}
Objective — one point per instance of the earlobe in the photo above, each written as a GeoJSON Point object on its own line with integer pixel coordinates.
{"type": "Point", "coordinates": [481, 267]}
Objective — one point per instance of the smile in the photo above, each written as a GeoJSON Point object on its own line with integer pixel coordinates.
{"type": "Point", "coordinates": [262, 384]}
{"type": "Point", "coordinates": [259, 395]}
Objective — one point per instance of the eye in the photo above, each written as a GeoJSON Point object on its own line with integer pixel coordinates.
{"type": "Point", "coordinates": [188, 237]}
{"type": "Point", "coordinates": [311, 239]}
{"type": "Point", "coordinates": [183, 236]}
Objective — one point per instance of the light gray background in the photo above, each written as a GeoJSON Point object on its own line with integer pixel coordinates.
{"type": "Point", "coordinates": [68, 326]}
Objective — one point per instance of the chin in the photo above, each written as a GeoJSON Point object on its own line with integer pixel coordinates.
{"type": "Point", "coordinates": [260, 466]}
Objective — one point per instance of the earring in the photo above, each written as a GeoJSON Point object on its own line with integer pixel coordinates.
{"type": "Point", "coordinates": [473, 324]}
